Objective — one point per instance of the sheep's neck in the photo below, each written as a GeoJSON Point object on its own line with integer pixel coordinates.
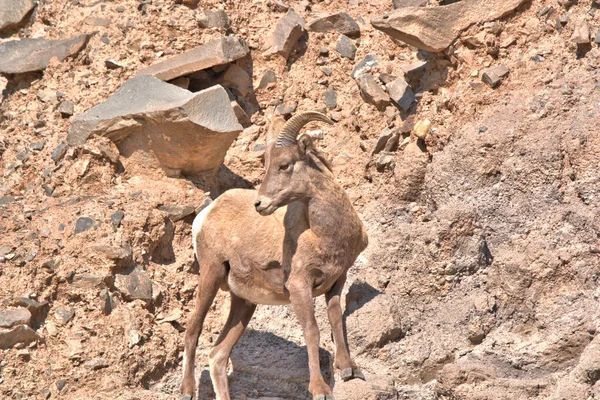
{"type": "Point", "coordinates": [332, 218]}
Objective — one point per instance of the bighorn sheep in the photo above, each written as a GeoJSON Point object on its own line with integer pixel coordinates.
{"type": "Point", "coordinates": [293, 240]}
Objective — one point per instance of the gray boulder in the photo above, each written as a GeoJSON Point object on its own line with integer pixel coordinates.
{"type": "Point", "coordinates": [436, 28]}
{"type": "Point", "coordinates": [216, 52]}
{"type": "Point", "coordinates": [172, 127]}
{"type": "Point", "coordinates": [28, 55]}
{"type": "Point", "coordinates": [213, 19]}
{"type": "Point", "coordinates": [287, 32]}
{"type": "Point", "coordinates": [134, 285]}
{"type": "Point", "coordinates": [371, 91]}
{"type": "Point", "coordinates": [401, 93]}
{"type": "Point", "coordinates": [12, 12]}
{"type": "Point", "coordinates": [16, 316]}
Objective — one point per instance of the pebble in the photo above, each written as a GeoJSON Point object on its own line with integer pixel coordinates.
{"type": "Point", "coordinates": [330, 98]}
{"type": "Point", "coordinates": [96, 364]}
{"type": "Point", "coordinates": [83, 224]}
{"type": "Point", "coordinates": [422, 128]}
{"type": "Point", "coordinates": [345, 47]}
{"type": "Point", "coordinates": [64, 315]}
{"type": "Point", "coordinates": [38, 146]}
{"type": "Point", "coordinates": [59, 152]}
{"type": "Point", "coordinates": [326, 70]}
{"type": "Point", "coordinates": [495, 75]}
{"type": "Point", "coordinates": [117, 217]}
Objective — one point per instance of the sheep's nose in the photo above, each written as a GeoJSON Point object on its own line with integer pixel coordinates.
{"type": "Point", "coordinates": [257, 203]}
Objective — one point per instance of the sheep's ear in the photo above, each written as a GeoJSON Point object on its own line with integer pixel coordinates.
{"type": "Point", "coordinates": [275, 127]}
{"type": "Point", "coordinates": [305, 145]}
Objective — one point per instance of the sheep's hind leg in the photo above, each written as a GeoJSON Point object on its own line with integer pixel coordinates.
{"type": "Point", "coordinates": [211, 277]}
{"type": "Point", "coordinates": [240, 314]}
{"type": "Point", "coordinates": [343, 361]}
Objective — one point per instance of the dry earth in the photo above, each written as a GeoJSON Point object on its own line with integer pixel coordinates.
{"type": "Point", "coordinates": [481, 277]}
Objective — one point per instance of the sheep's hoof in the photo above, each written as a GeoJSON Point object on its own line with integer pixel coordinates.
{"type": "Point", "coordinates": [350, 373]}
{"type": "Point", "coordinates": [324, 397]}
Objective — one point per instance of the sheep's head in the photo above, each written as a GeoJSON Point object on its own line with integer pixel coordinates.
{"type": "Point", "coordinates": [290, 161]}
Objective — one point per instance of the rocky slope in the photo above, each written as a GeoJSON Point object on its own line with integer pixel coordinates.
{"type": "Point", "coordinates": [480, 280]}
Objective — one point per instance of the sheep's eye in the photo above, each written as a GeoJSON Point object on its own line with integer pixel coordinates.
{"type": "Point", "coordinates": [283, 167]}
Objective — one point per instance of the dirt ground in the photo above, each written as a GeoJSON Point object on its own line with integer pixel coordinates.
{"type": "Point", "coordinates": [481, 277]}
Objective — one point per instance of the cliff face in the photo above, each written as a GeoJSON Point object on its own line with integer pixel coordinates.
{"type": "Point", "coordinates": [480, 279]}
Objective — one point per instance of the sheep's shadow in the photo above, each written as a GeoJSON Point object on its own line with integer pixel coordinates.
{"type": "Point", "coordinates": [266, 365]}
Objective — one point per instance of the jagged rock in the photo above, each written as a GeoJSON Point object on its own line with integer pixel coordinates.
{"type": "Point", "coordinates": [414, 72]}
{"type": "Point", "coordinates": [386, 160]}
{"type": "Point", "coordinates": [581, 33]}
{"type": "Point", "coordinates": [117, 217]}
{"type": "Point", "coordinates": [16, 316]}
{"type": "Point", "coordinates": [238, 79]}
{"type": "Point", "coordinates": [96, 364]}
{"type": "Point", "coordinates": [493, 76]}
{"type": "Point", "coordinates": [88, 281]}
{"type": "Point", "coordinates": [66, 109]}
{"type": "Point", "coordinates": [83, 224]}
{"type": "Point", "coordinates": [63, 315]}
{"type": "Point", "coordinates": [213, 19]}
{"type": "Point", "coordinates": [12, 12]}
{"type": "Point", "coordinates": [267, 78]}
{"type": "Point", "coordinates": [174, 128]}
{"type": "Point", "coordinates": [340, 22]}
{"type": "Point", "coordinates": [365, 65]}
{"type": "Point", "coordinates": [176, 212]}
{"type": "Point", "coordinates": [409, 3]}
{"type": "Point", "coordinates": [220, 51]}
{"type": "Point", "coordinates": [436, 28]}
{"type": "Point", "coordinates": [27, 55]}
{"type": "Point", "coordinates": [597, 39]}
{"type": "Point", "coordinates": [134, 285]}
{"type": "Point", "coordinates": [112, 64]}
{"type": "Point", "coordinates": [371, 92]}
{"type": "Point", "coordinates": [287, 32]}
{"type": "Point", "coordinates": [330, 98]}
{"type": "Point", "coordinates": [285, 110]}
{"type": "Point", "coordinates": [18, 334]}
{"type": "Point", "coordinates": [241, 115]}
{"type": "Point", "coordinates": [59, 152]}
{"type": "Point", "coordinates": [382, 140]}
{"type": "Point", "coordinates": [121, 256]}
{"type": "Point", "coordinates": [345, 47]}
{"type": "Point", "coordinates": [401, 93]}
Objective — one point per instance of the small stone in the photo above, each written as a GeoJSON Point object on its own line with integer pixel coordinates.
{"type": "Point", "coordinates": [63, 315]}
{"type": "Point", "coordinates": [6, 200]}
{"type": "Point", "coordinates": [323, 51]}
{"type": "Point", "coordinates": [176, 212]}
{"type": "Point", "coordinates": [23, 355]}
{"type": "Point", "coordinates": [96, 364]}
{"type": "Point", "coordinates": [401, 93]}
{"type": "Point", "coordinates": [59, 152]}
{"type": "Point", "coordinates": [45, 393]}
{"type": "Point", "coordinates": [409, 3]}
{"type": "Point", "coordinates": [83, 224]}
{"type": "Point", "coordinates": [581, 33]}
{"type": "Point", "coordinates": [18, 334]}
{"type": "Point", "coordinates": [422, 128]}
{"type": "Point", "coordinates": [237, 79]}
{"type": "Point", "coordinates": [382, 141]}
{"type": "Point", "coordinates": [597, 39]}
{"type": "Point", "coordinates": [371, 92]}
{"type": "Point", "coordinates": [13, 13]}
{"type": "Point", "coordinates": [267, 78]}
{"type": "Point", "coordinates": [365, 65]}
{"type": "Point", "coordinates": [134, 285]}
{"type": "Point", "coordinates": [330, 98]}
{"type": "Point", "coordinates": [112, 64]}
{"type": "Point", "coordinates": [285, 110]}
{"type": "Point", "coordinates": [326, 70]}
{"type": "Point", "coordinates": [345, 47]}
{"type": "Point", "coordinates": [117, 217]}
{"type": "Point", "coordinates": [385, 161]}
{"type": "Point", "coordinates": [16, 316]}
{"type": "Point", "coordinates": [509, 41]}
{"type": "Point", "coordinates": [60, 384]}
{"type": "Point", "coordinates": [495, 75]}
{"type": "Point", "coordinates": [213, 19]}
{"type": "Point", "coordinates": [38, 146]}
{"type": "Point", "coordinates": [340, 22]}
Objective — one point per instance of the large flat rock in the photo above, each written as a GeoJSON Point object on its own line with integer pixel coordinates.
{"type": "Point", "coordinates": [12, 12]}
{"type": "Point", "coordinates": [173, 127]}
{"type": "Point", "coordinates": [436, 28]}
{"type": "Point", "coordinates": [287, 32]}
{"type": "Point", "coordinates": [18, 334]}
{"type": "Point", "coordinates": [28, 55]}
{"type": "Point", "coordinates": [216, 52]}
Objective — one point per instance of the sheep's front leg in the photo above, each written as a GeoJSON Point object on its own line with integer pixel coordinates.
{"type": "Point", "coordinates": [343, 361]}
{"type": "Point", "coordinates": [301, 299]}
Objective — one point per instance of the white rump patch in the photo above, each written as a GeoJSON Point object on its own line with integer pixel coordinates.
{"type": "Point", "coordinates": [198, 222]}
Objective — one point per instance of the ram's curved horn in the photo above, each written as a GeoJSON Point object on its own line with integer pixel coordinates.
{"type": "Point", "coordinates": [291, 129]}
